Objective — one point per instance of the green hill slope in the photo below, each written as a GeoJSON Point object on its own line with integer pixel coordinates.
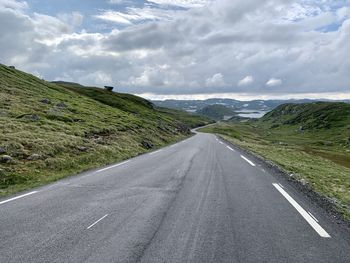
{"type": "Point", "coordinates": [136, 105]}
{"type": "Point", "coordinates": [50, 131]}
{"type": "Point", "coordinates": [216, 111]}
{"type": "Point", "coordinates": [316, 115]}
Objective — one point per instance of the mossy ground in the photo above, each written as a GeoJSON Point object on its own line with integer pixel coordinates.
{"type": "Point", "coordinates": [51, 131]}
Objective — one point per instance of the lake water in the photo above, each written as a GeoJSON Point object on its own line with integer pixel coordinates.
{"type": "Point", "coordinates": [254, 114]}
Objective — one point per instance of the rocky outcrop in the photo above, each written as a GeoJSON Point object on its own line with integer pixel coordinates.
{"type": "Point", "coordinates": [6, 159]}
{"type": "Point", "coordinates": [34, 157]}
{"type": "Point", "coordinates": [147, 144]}
{"type": "Point", "coordinates": [45, 101]}
{"type": "Point", "coordinates": [82, 148]}
{"type": "Point", "coordinates": [61, 105]}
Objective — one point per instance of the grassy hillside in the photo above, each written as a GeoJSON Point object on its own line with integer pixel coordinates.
{"type": "Point", "coordinates": [125, 102]}
{"type": "Point", "coordinates": [310, 141]}
{"type": "Point", "coordinates": [318, 115]}
{"type": "Point", "coordinates": [216, 111]}
{"type": "Point", "coordinates": [136, 105]}
{"type": "Point", "coordinates": [49, 131]}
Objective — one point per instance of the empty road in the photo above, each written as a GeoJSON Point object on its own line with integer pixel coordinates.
{"type": "Point", "coordinates": [200, 200]}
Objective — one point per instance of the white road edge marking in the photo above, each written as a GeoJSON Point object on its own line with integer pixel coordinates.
{"type": "Point", "coordinates": [97, 221]}
{"type": "Point", "coordinates": [281, 185]}
{"type": "Point", "coordinates": [247, 160]}
{"type": "Point", "coordinates": [312, 222]}
{"type": "Point", "coordinates": [221, 142]}
{"type": "Point", "coordinates": [155, 152]}
{"type": "Point", "coordinates": [313, 216]}
{"type": "Point", "coordinates": [113, 166]}
{"type": "Point", "coordinates": [17, 197]}
{"type": "Point", "coordinates": [228, 147]}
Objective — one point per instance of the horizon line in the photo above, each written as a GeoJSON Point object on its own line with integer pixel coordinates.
{"type": "Point", "coordinates": [328, 96]}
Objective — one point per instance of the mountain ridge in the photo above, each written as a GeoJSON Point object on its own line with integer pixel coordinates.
{"type": "Point", "coordinates": [237, 105]}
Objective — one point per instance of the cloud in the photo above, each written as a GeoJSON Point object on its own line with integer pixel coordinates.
{"type": "Point", "coordinates": [13, 4]}
{"type": "Point", "coordinates": [116, 17]}
{"type": "Point", "coordinates": [181, 3]}
{"type": "Point", "coordinates": [75, 18]}
{"type": "Point", "coordinates": [273, 82]}
{"type": "Point", "coordinates": [187, 47]}
{"type": "Point", "coordinates": [343, 13]}
{"type": "Point", "coordinates": [134, 15]}
{"type": "Point", "coordinates": [246, 81]}
{"type": "Point", "coordinates": [217, 80]}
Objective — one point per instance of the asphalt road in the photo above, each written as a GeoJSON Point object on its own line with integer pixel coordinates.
{"type": "Point", "coordinates": [199, 200]}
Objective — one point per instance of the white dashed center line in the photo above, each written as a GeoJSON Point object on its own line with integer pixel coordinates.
{"type": "Point", "coordinates": [17, 197]}
{"type": "Point", "coordinates": [97, 221]}
{"type": "Point", "coordinates": [113, 166]}
{"type": "Point", "coordinates": [248, 161]}
{"type": "Point", "coordinates": [228, 147]}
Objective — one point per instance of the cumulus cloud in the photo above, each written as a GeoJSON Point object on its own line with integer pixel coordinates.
{"type": "Point", "coordinates": [217, 80]}
{"type": "Point", "coordinates": [246, 81]}
{"type": "Point", "coordinates": [188, 47]}
{"type": "Point", "coordinates": [13, 4]}
{"type": "Point", "coordinates": [181, 3]}
{"type": "Point", "coordinates": [273, 82]}
{"type": "Point", "coordinates": [116, 17]}
{"type": "Point", "coordinates": [134, 15]}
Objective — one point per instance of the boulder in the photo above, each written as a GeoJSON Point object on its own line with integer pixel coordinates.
{"type": "Point", "coordinates": [147, 144]}
{"type": "Point", "coordinates": [34, 157]}
{"type": "Point", "coordinates": [82, 148]}
{"type": "Point", "coordinates": [109, 88]}
{"type": "Point", "coordinates": [303, 181]}
{"type": "Point", "coordinates": [45, 101]}
{"type": "Point", "coordinates": [98, 140]}
{"type": "Point", "coordinates": [61, 105]}
{"type": "Point", "coordinates": [6, 159]}
{"type": "Point", "coordinates": [34, 117]}
{"type": "Point", "coordinates": [31, 117]}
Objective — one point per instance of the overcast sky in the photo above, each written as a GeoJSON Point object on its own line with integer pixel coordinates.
{"type": "Point", "coordinates": [241, 49]}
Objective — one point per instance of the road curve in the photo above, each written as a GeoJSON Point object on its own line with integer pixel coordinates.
{"type": "Point", "coordinates": [200, 200]}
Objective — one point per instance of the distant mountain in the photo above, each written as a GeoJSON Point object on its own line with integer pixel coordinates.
{"type": "Point", "coordinates": [217, 112]}
{"type": "Point", "coordinates": [238, 106]}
